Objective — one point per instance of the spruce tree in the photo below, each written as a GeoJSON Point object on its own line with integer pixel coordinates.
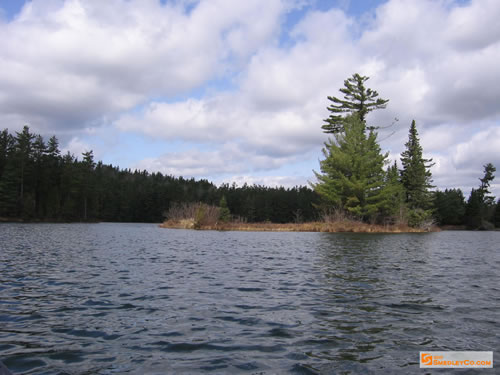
{"type": "Point", "coordinates": [416, 176]}
{"type": "Point", "coordinates": [480, 204]}
{"type": "Point", "coordinates": [357, 100]}
{"type": "Point", "coordinates": [352, 173]}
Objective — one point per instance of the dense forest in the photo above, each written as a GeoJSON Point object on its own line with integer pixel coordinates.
{"type": "Point", "coordinates": [37, 183]}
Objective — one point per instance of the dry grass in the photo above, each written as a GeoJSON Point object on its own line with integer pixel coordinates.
{"type": "Point", "coordinates": [204, 217]}
{"type": "Point", "coordinates": [332, 227]}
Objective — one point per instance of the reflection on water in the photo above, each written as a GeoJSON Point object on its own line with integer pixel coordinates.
{"type": "Point", "coordinates": [123, 298]}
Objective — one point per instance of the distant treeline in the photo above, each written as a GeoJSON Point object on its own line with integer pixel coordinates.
{"type": "Point", "coordinates": [38, 183]}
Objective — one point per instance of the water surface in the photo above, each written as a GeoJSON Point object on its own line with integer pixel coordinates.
{"type": "Point", "coordinates": [137, 299]}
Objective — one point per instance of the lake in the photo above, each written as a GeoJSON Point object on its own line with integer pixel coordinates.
{"type": "Point", "coordinates": [138, 299]}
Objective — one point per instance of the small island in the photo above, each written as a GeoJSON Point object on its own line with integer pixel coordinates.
{"type": "Point", "coordinates": [357, 191]}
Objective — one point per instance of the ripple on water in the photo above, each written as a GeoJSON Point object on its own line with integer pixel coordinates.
{"type": "Point", "coordinates": [128, 299]}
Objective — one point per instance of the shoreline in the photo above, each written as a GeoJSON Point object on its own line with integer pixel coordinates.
{"type": "Point", "coordinates": [333, 227]}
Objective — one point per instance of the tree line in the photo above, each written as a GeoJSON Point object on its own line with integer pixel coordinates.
{"type": "Point", "coordinates": [38, 183]}
{"type": "Point", "coordinates": [354, 176]}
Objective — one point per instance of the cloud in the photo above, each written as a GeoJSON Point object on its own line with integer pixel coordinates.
{"type": "Point", "coordinates": [279, 104]}
{"type": "Point", "coordinates": [73, 63]}
{"type": "Point", "coordinates": [136, 64]}
{"type": "Point", "coordinates": [76, 147]}
{"type": "Point", "coordinates": [227, 160]}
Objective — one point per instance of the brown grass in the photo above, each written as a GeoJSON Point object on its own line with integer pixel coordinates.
{"type": "Point", "coordinates": [204, 217]}
{"type": "Point", "coordinates": [332, 227]}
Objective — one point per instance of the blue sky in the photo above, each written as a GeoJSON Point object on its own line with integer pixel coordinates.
{"type": "Point", "coordinates": [236, 91]}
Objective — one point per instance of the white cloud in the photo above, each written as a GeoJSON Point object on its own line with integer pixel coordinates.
{"type": "Point", "coordinates": [69, 63]}
{"type": "Point", "coordinates": [76, 147]}
{"type": "Point", "coordinates": [83, 63]}
{"type": "Point", "coordinates": [228, 159]}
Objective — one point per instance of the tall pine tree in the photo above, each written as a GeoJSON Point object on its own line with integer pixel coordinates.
{"type": "Point", "coordinates": [357, 100]}
{"type": "Point", "coordinates": [352, 176]}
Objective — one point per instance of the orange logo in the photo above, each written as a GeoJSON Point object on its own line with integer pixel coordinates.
{"type": "Point", "coordinates": [426, 359]}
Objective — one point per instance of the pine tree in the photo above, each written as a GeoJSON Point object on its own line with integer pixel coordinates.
{"type": "Point", "coordinates": [24, 159]}
{"type": "Point", "coordinates": [352, 173]}
{"type": "Point", "coordinates": [224, 214]}
{"type": "Point", "coordinates": [480, 204]}
{"type": "Point", "coordinates": [6, 148]}
{"type": "Point", "coordinates": [53, 177]}
{"type": "Point", "coordinates": [87, 182]}
{"type": "Point", "coordinates": [394, 192]}
{"type": "Point", "coordinates": [489, 176]}
{"type": "Point", "coordinates": [496, 216]}
{"type": "Point", "coordinates": [416, 176]}
{"type": "Point", "coordinates": [8, 191]}
{"type": "Point", "coordinates": [473, 217]}
{"type": "Point", "coordinates": [357, 100]}
{"type": "Point", "coordinates": [449, 207]}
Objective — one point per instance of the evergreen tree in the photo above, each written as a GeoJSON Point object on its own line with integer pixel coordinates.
{"type": "Point", "coordinates": [394, 208]}
{"type": "Point", "coordinates": [352, 173]}
{"type": "Point", "coordinates": [496, 217]}
{"type": "Point", "coordinates": [39, 174]}
{"type": "Point", "coordinates": [357, 100]}
{"type": "Point", "coordinates": [87, 182]}
{"type": "Point", "coordinates": [225, 214]}
{"type": "Point", "coordinates": [8, 191]}
{"type": "Point", "coordinates": [68, 203]}
{"type": "Point", "coordinates": [6, 148]}
{"type": "Point", "coordinates": [52, 179]}
{"type": "Point", "coordinates": [24, 158]}
{"type": "Point", "coordinates": [449, 207]}
{"type": "Point", "coordinates": [489, 176]}
{"type": "Point", "coordinates": [416, 176]}
{"type": "Point", "coordinates": [480, 204]}
{"type": "Point", "coordinates": [473, 211]}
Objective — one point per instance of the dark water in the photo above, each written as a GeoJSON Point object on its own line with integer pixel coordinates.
{"type": "Point", "coordinates": [137, 299]}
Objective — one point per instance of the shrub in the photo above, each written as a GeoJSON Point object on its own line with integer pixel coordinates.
{"type": "Point", "coordinates": [199, 214]}
{"type": "Point", "coordinates": [419, 218]}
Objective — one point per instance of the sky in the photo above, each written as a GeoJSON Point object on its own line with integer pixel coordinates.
{"type": "Point", "coordinates": [236, 91]}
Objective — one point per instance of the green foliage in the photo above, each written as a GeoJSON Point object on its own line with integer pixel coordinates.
{"type": "Point", "coordinates": [419, 218]}
{"type": "Point", "coordinates": [449, 207]}
{"type": "Point", "coordinates": [357, 100]}
{"type": "Point", "coordinates": [225, 214]}
{"type": "Point", "coordinates": [496, 216]}
{"type": "Point", "coordinates": [8, 191]}
{"type": "Point", "coordinates": [489, 176]}
{"type": "Point", "coordinates": [352, 173]}
{"type": "Point", "coordinates": [394, 207]}
{"type": "Point", "coordinates": [480, 206]}
{"type": "Point", "coordinates": [416, 176]}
